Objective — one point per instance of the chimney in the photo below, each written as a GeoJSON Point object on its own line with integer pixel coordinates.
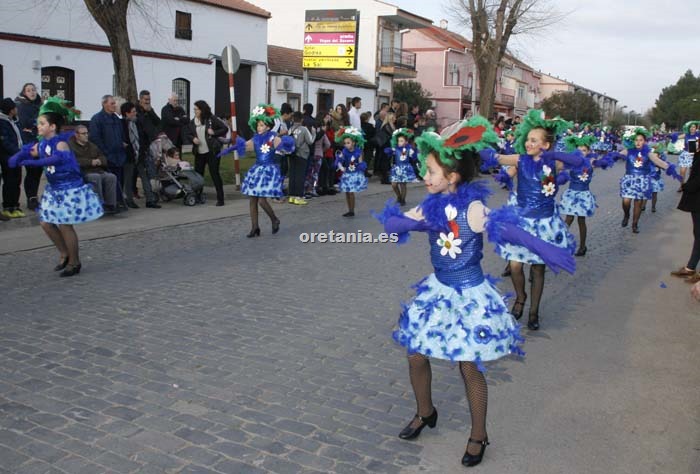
{"type": "Point", "coordinates": [443, 24]}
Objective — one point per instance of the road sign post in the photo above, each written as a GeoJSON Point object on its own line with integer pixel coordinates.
{"type": "Point", "coordinates": [330, 39]}
{"type": "Point", "coordinates": [231, 61]}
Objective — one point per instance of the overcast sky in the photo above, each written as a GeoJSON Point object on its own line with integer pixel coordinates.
{"type": "Point", "coordinates": [629, 50]}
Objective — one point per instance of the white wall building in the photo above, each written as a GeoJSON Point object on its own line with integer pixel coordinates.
{"type": "Point", "coordinates": [175, 44]}
{"type": "Point", "coordinates": [380, 54]}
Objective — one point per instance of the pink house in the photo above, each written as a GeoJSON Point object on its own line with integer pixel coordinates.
{"type": "Point", "coordinates": [445, 67]}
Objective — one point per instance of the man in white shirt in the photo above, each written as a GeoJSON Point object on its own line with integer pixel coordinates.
{"type": "Point", "coordinates": [354, 113]}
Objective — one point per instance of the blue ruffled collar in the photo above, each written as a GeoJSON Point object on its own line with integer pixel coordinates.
{"type": "Point", "coordinates": [645, 150]}
{"type": "Point", "coordinates": [433, 206]}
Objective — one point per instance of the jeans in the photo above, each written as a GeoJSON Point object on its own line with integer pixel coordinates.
{"type": "Point", "coordinates": [31, 180]}
{"type": "Point", "coordinates": [11, 179]}
{"type": "Point", "coordinates": [105, 185]}
{"type": "Point", "coordinates": [131, 171]}
{"type": "Point", "coordinates": [208, 159]}
{"type": "Point", "coordinates": [695, 254]}
{"type": "Point", "coordinates": [118, 171]}
{"type": "Point", "coordinates": [326, 176]}
{"type": "Point", "coordinates": [297, 174]}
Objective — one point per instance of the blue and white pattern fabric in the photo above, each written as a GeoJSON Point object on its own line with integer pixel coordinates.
{"type": "Point", "coordinates": [263, 179]}
{"type": "Point", "coordinates": [578, 199]}
{"type": "Point", "coordinates": [353, 179]}
{"type": "Point", "coordinates": [402, 171]}
{"type": "Point", "coordinates": [685, 160]}
{"type": "Point", "coordinates": [457, 313]}
{"type": "Point", "coordinates": [635, 183]}
{"type": "Point", "coordinates": [536, 200]}
{"type": "Point", "coordinates": [67, 199]}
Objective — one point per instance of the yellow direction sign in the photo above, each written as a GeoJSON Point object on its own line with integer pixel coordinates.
{"type": "Point", "coordinates": [329, 50]}
{"type": "Point", "coordinates": [330, 26]}
{"type": "Point", "coordinates": [329, 63]}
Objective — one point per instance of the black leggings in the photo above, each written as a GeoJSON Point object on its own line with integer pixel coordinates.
{"type": "Point", "coordinates": [695, 255]}
{"type": "Point", "coordinates": [201, 162]}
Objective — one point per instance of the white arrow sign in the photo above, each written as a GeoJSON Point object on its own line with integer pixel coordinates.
{"type": "Point", "coordinates": [308, 38]}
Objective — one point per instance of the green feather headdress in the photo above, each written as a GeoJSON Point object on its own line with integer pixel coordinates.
{"type": "Point", "coordinates": [57, 105]}
{"type": "Point", "coordinates": [573, 142]}
{"type": "Point", "coordinates": [264, 112]}
{"type": "Point", "coordinates": [407, 133]}
{"type": "Point", "coordinates": [584, 125]}
{"type": "Point", "coordinates": [628, 137]}
{"type": "Point", "coordinates": [686, 127]}
{"type": "Point", "coordinates": [352, 133]}
{"type": "Point", "coordinates": [535, 119]}
{"type": "Point", "coordinates": [474, 134]}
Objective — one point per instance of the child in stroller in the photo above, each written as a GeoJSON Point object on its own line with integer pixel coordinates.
{"type": "Point", "coordinates": [178, 179]}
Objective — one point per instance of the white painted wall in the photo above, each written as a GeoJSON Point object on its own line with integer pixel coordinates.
{"type": "Point", "coordinates": [340, 93]}
{"type": "Point", "coordinates": [94, 69]}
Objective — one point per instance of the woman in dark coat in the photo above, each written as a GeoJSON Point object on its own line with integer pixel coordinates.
{"type": "Point", "coordinates": [28, 103]}
{"type": "Point", "coordinates": [690, 202]}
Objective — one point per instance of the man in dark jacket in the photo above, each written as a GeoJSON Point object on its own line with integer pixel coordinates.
{"type": "Point", "coordinates": [147, 116]}
{"type": "Point", "coordinates": [28, 104]}
{"type": "Point", "coordinates": [137, 158]}
{"type": "Point", "coordinates": [10, 143]}
{"type": "Point", "coordinates": [173, 118]}
{"type": "Point", "coordinates": [690, 202]}
{"type": "Point", "coordinates": [94, 167]}
{"type": "Point", "coordinates": [106, 133]}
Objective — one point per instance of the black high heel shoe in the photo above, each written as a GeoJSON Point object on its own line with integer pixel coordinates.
{"type": "Point", "coordinates": [625, 221]}
{"type": "Point", "coordinates": [518, 314]}
{"type": "Point", "coordinates": [411, 433]}
{"type": "Point", "coordinates": [254, 233]}
{"type": "Point", "coordinates": [71, 270]}
{"type": "Point", "coordinates": [61, 265]}
{"type": "Point", "coordinates": [533, 322]}
{"type": "Point", "coordinates": [471, 460]}
{"type": "Point", "coordinates": [581, 252]}
{"type": "Point", "coordinates": [635, 229]}
{"type": "Point", "coordinates": [275, 226]}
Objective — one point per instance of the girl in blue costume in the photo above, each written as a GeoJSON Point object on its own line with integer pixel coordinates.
{"type": "Point", "coordinates": [635, 184]}
{"type": "Point", "coordinates": [263, 180]}
{"type": "Point", "coordinates": [656, 180]}
{"type": "Point", "coordinates": [685, 160]}
{"type": "Point", "coordinates": [578, 201]}
{"type": "Point", "coordinates": [537, 188]}
{"type": "Point", "coordinates": [402, 170]}
{"type": "Point", "coordinates": [457, 313]}
{"type": "Point", "coordinates": [349, 161]}
{"type": "Point", "coordinates": [67, 199]}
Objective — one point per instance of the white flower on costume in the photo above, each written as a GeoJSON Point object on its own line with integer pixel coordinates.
{"type": "Point", "coordinates": [258, 111]}
{"type": "Point", "coordinates": [351, 167]}
{"type": "Point", "coordinates": [546, 170]}
{"type": "Point", "coordinates": [50, 169]}
{"type": "Point", "coordinates": [638, 162]}
{"type": "Point", "coordinates": [451, 212]}
{"type": "Point", "coordinates": [47, 150]}
{"type": "Point", "coordinates": [264, 148]}
{"type": "Point", "coordinates": [449, 245]}
{"type": "Point", "coordinates": [583, 176]}
{"type": "Point", "coordinates": [549, 189]}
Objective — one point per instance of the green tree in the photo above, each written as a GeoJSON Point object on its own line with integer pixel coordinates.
{"type": "Point", "coordinates": [412, 93]}
{"type": "Point", "coordinates": [675, 104]}
{"type": "Point", "coordinates": [575, 106]}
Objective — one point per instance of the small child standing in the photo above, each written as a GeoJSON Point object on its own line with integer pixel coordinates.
{"type": "Point", "coordinates": [402, 169]}
{"type": "Point", "coordinates": [349, 161]}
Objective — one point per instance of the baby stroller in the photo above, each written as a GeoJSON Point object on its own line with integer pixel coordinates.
{"type": "Point", "coordinates": [181, 181]}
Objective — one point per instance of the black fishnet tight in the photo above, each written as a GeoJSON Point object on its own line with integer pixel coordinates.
{"type": "Point", "coordinates": [254, 201]}
{"type": "Point", "coordinates": [582, 229]}
{"type": "Point", "coordinates": [421, 378]}
{"type": "Point", "coordinates": [536, 289]}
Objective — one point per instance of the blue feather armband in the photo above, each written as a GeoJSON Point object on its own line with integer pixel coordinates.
{"type": "Point", "coordinates": [287, 144]}
{"type": "Point", "coordinates": [23, 155]}
{"type": "Point", "coordinates": [489, 159]}
{"type": "Point", "coordinates": [671, 171]}
{"type": "Point", "coordinates": [504, 178]}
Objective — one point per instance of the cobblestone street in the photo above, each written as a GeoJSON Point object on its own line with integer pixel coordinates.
{"type": "Point", "coordinates": [195, 350]}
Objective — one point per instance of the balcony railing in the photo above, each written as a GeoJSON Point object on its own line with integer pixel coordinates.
{"type": "Point", "coordinates": [507, 99]}
{"type": "Point", "coordinates": [395, 57]}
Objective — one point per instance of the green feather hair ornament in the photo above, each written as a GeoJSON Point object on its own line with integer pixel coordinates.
{"type": "Point", "coordinates": [59, 106]}
{"type": "Point", "coordinates": [573, 142]}
{"type": "Point", "coordinates": [686, 127]}
{"type": "Point", "coordinates": [535, 119]}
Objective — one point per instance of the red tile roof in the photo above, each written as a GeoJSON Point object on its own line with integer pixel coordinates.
{"type": "Point", "coordinates": [238, 5]}
{"type": "Point", "coordinates": [288, 61]}
{"type": "Point", "coordinates": [446, 38]}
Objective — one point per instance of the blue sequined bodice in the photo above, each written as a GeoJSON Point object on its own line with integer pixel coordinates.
{"type": "Point", "coordinates": [403, 155]}
{"type": "Point", "coordinates": [350, 159]}
{"type": "Point", "coordinates": [536, 187]}
{"type": "Point", "coordinates": [455, 249]}
{"type": "Point", "coordinates": [66, 173]}
{"type": "Point", "coordinates": [264, 147]}
{"type": "Point", "coordinates": [637, 161]}
{"type": "Point", "coordinates": [581, 176]}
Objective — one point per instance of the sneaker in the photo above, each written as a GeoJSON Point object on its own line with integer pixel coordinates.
{"type": "Point", "coordinates": [17, 213]}
{"type": "Point", "coordinates": [301, 201]}
{"type": "Point", "coordinates": [4, 217]}
{"type": "Point", "coordinates": [7, 213]}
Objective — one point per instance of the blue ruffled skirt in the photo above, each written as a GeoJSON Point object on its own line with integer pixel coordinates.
{"type": "Point", "coordinates": [657, 184]}
{"type": "Point", "coordinates": [601, 147]}
{"type": "Point", "coordinates": [634, 186]}
{"type": "Point", "coordinates": [353, 181]}
{"type": "Point", "coordinates": [402, 173]}
{"type": "Point", "coordinates": [263, 180]}
{"type": "Point", "coordinates": [472, 324]}
{"type": "Point", "coordinates": [685, 160]}
{"type": "Point", "coordinates": [70, 206]}
{"type": "Point", "coordinates": [550, 229]}
{"type": "Point", "coordinates": [577, 203]}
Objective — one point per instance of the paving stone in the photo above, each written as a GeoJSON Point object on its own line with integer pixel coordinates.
{"type": "Point", "coordinates": [195, 436]}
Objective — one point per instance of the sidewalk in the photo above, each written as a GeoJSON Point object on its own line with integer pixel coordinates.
{"type": "Point", "coordinates": [24, 234]}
